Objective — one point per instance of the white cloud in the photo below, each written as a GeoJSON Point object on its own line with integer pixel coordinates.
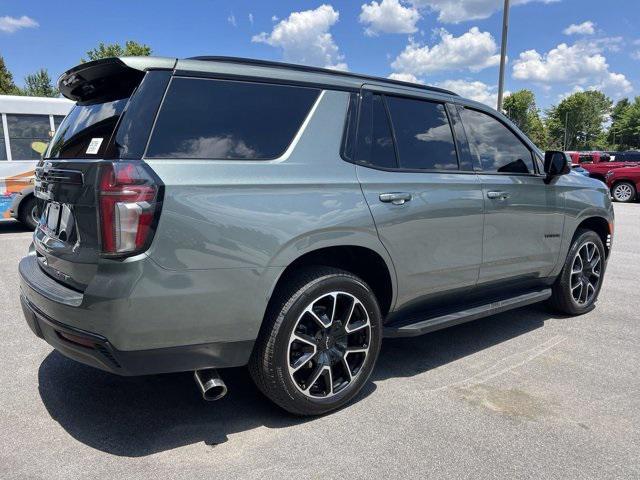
{"type": "Point", "coordinates": [304, 38]}
{"type": "Point", "coordinates": [232, 20]}
{"type": "Point", "coordinates": [274, 18]}
{"type": "Point", "coordinates": [579, 65]}
{"type": "Point", "coordinates": [475, 90]}
{"type": "Point", "coordinates": [474, 51]}
{"type": "Point", "coordinates": [405, 77]}
{"type": "Point", "coordinates": [456, 11]}
{"type": "Point", "coordinates": [251, 18]}
{"type": "Point", "coordinates": [584, 28]}
{"type": "Point", "coordinates": [635, 55]}
{"type": "Point", "coordinates": [12, 24]}
{"type": "Point", "coordinates": [388, 16]}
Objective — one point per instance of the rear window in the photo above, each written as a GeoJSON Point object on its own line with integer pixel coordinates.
{"type": "Point", "coordinates": [220, 119]}
{"type": "Point", "coordinates": [86, 131]}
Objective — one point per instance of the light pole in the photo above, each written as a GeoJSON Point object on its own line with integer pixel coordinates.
{"type": "Point", "coordinates": [503, 52]}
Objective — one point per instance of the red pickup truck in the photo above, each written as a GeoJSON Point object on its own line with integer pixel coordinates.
{"type": "Point", "coordinates": [624, 183]}
{"type": "Point", "coordinates": [599, 163]}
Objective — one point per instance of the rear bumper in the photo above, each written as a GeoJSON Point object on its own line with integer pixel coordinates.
{"type": "Point", "coordinates": [96, 351]}
{"type": "Point", "coordinates": [47, 306]}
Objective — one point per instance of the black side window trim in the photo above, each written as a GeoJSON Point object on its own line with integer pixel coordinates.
{"type": "Point", "coordinates": [398, 169]}
{"type": "Point", "coordinates": [480, 170]}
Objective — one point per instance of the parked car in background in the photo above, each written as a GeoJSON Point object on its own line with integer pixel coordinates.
{"type": "Point", "coordinates": [599, 163]}
{"type": "Point", "coordinates": [218, 212]}
{"type": "Point", "coordinates": [580, 170]}
{"type": "Point", "coordinates": [628, 156]}
{"type": "Point", "coordinates": [25, 130]}
{"type": "Point", "coordinates": [624, 183]}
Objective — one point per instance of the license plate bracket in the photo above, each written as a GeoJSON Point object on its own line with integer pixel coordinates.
{"type": "Point", "coordinates": [53, 217]}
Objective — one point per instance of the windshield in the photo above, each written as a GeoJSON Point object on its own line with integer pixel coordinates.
{"type": "Point", "coordinates": [85, 132]}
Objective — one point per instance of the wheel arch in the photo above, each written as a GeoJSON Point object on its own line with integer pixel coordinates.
{"type": "Point", "coordinates": [601, 226]}
{"type": "Point", "coordinates": [374, 267]}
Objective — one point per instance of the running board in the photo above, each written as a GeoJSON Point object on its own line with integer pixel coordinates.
{"type": "Point", "coordinates": [421, 326]}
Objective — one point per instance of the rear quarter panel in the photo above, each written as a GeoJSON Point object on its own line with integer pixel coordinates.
{"type": "Point", "coordinates": [245, 221]}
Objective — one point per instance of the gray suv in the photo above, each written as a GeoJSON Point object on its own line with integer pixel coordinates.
{"type": "Point", "coordinates": [216, 212]}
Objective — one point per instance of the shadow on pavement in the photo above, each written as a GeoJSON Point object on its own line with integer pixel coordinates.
{"type": "Point", "coordinates": [138, 416]}
{"type": "Point", "coordinates": [12, 226]}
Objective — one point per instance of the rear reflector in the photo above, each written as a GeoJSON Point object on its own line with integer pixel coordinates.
{"type": "Point", "coordinates": [128, 204]}
{"type": "Point", "coordinates": [85, 342]}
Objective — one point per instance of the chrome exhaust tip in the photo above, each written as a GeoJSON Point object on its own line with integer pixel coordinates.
{"type": "Point", "coordinates": [210, 384]}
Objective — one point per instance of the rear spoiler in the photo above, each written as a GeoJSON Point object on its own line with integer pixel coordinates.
{"type": "Point", "coordinates": [109, 78]}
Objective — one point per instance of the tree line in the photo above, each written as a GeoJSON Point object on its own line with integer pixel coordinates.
{"type": "Point", "coordinates": [40, 84]}
{"type": "Point", "coordinates": [582, 121]}
{"type": "Point", "coordinates": [586, 120]}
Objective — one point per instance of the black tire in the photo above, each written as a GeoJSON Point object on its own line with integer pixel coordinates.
{"type": "Point", "coordinates": [624, 192]}
{"type": "Point", "coordinates": [28, 213]}
{"type": "Point", "coordinates": [562, 298]}
{"type": "Point", "coordinates": [269, 363]}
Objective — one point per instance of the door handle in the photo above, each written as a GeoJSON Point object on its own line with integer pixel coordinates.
{"type": "Point", "coordinates": [498, 195]}
{"type": "Point", "coordinates": [397, 198]}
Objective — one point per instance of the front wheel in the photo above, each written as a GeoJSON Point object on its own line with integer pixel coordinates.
{"type": "Point", "coordinates": [624, 192]}
{"type": "Point", "coordinates": [577, 287]}
{"type": "Point", "coordinates": [319, 341]}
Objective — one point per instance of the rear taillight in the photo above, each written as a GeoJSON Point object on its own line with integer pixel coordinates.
{"type": "Point", "coordinates": [129, 201]}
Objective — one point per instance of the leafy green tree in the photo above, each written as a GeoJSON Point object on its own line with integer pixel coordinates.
{"type": "Point", "coordinates": [582, 115]}
{"type": "Point", "coordinates": [629, 126]}
{"type": "Point", "coordinates": [617, 138]}
{"type": "Point", "coordinates": [39, 84]}
{"type": "Point", "coordinates": [130, 49]}
{"type": "Point", "coordinates": [521, 108]}
{"type": "Point", "coordinates": [7, 87]}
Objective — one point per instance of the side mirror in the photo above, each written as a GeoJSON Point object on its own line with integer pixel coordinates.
{"type": "Point", "coordinates": [556, 163]}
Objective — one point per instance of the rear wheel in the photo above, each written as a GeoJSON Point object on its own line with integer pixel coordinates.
{"type": "Point", "coordinates": [29, 213]}
{"type": "Point", "coordinates": [319, 342]}
{"type": "Point", "coordinates": [624, 192]}
{"type": "Point", "coordinates": [578, 285]}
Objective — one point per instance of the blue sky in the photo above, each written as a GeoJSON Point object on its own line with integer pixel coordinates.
{"type": "Point", "coordinates": [555, 46]}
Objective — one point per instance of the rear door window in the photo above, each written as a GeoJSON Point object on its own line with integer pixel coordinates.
{"type": "Point", "coordinates": [496, 147]}
{"type": "Point", "coordinates": [220, 119]}
{"type": "Point", "coordinates": [375, 139]}
{"type": "Point", "coordinates": [423, 134]}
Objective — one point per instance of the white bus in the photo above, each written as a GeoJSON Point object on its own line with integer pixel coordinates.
{"type": "Point", "coordinates": [26, 127]}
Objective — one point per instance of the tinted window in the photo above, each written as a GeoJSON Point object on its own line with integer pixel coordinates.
{"type": "Point", "coordinates": [83, 124]}
{"type": "Point", "coordinates": [375, 140]}
{"type": "Point", "coordinates": [495, 146]}
{"type": "Point", "coordinates": [28, 135]}
{"type": "Point", "coordinates": [208, 119]}
{"type": "Point", "coordinates": [585, 159]}
{"type": "Point", "coordinates": [348, 137]}
{"type": "Point", "coordinates": [3, 147]}
{"type": "Point", "coordinates": [57, 120]}
{"type": "Point", "coordinates": [423, 134]}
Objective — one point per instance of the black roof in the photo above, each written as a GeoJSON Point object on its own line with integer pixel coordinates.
{"type": "Point", "coordinates": [306, 68]}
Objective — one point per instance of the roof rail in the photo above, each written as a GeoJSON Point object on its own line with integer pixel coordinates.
{"type": "Point", "coordinates": [306, 68]}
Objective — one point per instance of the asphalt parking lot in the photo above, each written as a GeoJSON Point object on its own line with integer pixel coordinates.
{"type": "Point", "coordinates": [526, 394]}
